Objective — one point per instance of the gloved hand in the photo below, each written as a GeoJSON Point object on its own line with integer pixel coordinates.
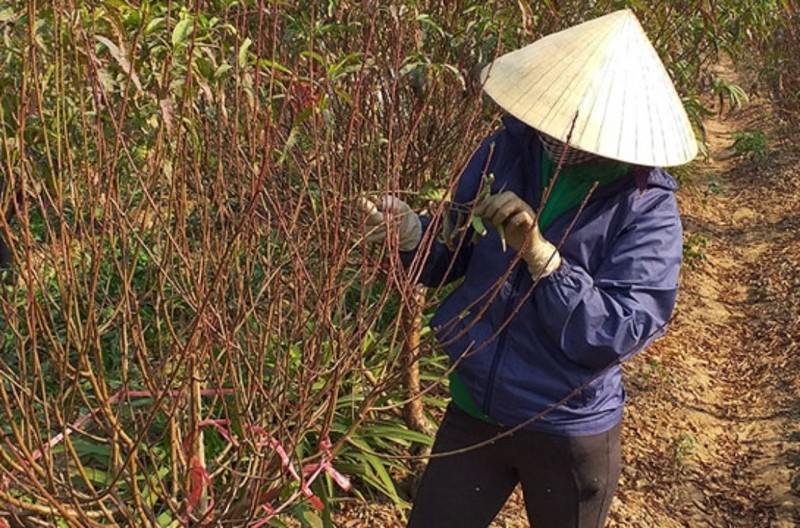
{"type": "Point", "coordinates": [521, 231]}
{"type": "Point", "coordinates": [398, 215]}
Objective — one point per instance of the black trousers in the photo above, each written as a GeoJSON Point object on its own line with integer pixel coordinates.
{"type": "Point", "coordinates": [567, 482]}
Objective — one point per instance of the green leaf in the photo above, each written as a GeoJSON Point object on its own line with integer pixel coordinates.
{"type": "Point", "coordinates": [154, 25]}
{"type": "Point", "coordinates": [432, 191]}
{"type": "Point", "coordinates": [302, 117]}
{"type": "Point", "coordinates": [98, 476]}
{"type": "Point", "coordinates": [107, 80]}
{"type": "Point", "coordinates": [222, 70]}
{"type": "Point", "coordinates": [205, 68]}
{"type": "Point", "coordinates": [426, 20]}
{"type": "Point", "coordinates": [341, 67]}
{"type": "Point", "coordinates": [272, 65]}
{"type": "Point", "coordinates": [165, 520]}
{"type": "Point", "coordinates": [236, 420]}
{"type": "Point", "coordinates": [278, 523]}
{"type": "Point", "coordinates": [182, 30]}
{"type": "Point", "coordinates": [381, 478]}
{"type": "Point", "coordinates": [344, 96]}
{"type": "Point", "coordinates": [119, 56]}
{"type": "Point", "coordinates": [486, 187]}
{"type": "Point", "coordinates": [309, 519]}
{"type": "Point", "coordinates": [6, 14]}
{"type": "Point", "coordinates": [478, 225]}
{"type": "Point", "coordinates": [117, 4]}
{"type": "Point", "coordinates": [313, 55]}
{"type": "Point", "coordinates": [91, 450]}
{"type": "Point", "coordinates": [243, 52]}
{"type": "Point", "coordinates": [395, 433]}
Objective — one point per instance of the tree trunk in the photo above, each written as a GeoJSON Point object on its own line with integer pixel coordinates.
{"type": "Point", "coordinates": [414, 411]}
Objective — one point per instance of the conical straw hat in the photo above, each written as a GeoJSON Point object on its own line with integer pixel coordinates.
{"type": "Point", "coordinates": [608, 73]}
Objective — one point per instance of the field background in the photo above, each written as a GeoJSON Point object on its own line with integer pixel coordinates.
{"type": "Point", "coordinates": [193, 333]}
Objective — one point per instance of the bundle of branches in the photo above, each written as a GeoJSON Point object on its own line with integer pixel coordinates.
{"type": "Point", "coordinates": [194, 331]}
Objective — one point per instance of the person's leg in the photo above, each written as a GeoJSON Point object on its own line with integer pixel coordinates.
{"type": "Point", "coordinates": [465, 490]}
{"type": "Point", "coordinates": [568, 482]}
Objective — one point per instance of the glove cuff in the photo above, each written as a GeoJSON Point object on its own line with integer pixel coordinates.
{"type": "Point", "coordinates": [410, 232]}
{"type": "Point", "coordinates": [543, 262]}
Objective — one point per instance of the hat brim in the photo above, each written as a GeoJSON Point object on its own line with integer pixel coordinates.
{"type": "Point", "coordinates": [602, 85]}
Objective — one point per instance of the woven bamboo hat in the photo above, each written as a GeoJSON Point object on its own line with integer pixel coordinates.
{"type": "Point", "coordinates": [608, 73]}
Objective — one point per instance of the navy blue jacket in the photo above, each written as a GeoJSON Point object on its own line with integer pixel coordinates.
{"type": "Point", "coordinates": [520, 349]}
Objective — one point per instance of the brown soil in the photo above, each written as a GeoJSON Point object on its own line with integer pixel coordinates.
{"type": "Point", "coordinates": [712, 406]}
{"type": "Point", "coordinates": [708, 432]}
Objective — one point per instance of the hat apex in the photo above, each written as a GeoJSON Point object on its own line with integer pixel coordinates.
{"type": "Point", "coordinates": [602, 85]}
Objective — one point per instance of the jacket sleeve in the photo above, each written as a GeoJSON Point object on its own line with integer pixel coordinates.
{"type": "Point", "coordinates": [441, 265]}
{"type": "Point", "coordinates": [613, 314]}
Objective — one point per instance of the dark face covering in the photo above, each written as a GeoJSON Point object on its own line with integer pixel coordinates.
{"type": "Point", "coordinates": [555, 149]}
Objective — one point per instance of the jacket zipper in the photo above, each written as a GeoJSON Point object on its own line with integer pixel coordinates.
{"type": "Point", "coordinates": [532, 160]}
{"type": "Point", "coordinates": [501, 343]}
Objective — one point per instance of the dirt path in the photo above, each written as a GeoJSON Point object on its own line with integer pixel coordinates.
{"type": "Point", "coordinates": [713, 407]}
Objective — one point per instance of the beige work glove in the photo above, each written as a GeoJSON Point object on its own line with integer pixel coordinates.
{"type": "Point", "coordinates": [391, 215]}
{"type": "Point", "coordinates": [518, 220]}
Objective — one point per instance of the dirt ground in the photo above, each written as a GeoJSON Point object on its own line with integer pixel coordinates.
{"type": "Point", "coordinates": [712, 425]}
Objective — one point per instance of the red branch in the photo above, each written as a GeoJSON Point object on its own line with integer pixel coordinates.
{"type": "Point", "coordinates": [200, 480]}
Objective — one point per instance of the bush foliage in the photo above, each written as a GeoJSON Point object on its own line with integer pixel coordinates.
{"type": "Point", "coordinates": [191, 328]}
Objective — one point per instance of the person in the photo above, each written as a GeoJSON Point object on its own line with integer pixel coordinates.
{"type": "Point", "coordinates": [536, 333]}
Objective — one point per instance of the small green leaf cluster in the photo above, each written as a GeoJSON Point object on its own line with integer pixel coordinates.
{"type": "Point", "coordinates": [752, 143]}
{"type": "Point", "coordinates": [694, 250]}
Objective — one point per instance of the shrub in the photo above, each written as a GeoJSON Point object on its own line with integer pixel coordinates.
{"type": "Point", "coordinates": [193, 332]}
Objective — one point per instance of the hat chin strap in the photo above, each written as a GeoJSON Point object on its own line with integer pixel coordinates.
{"type": "Point", "coordinates": [555, 149]}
